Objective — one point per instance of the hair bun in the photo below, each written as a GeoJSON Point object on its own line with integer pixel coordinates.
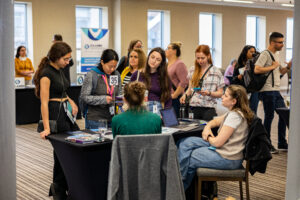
{"type": "Point", "coordinates": [179, 44]}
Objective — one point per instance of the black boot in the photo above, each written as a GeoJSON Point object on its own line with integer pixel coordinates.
{"type": "Point", "coordinates": [57, 192]}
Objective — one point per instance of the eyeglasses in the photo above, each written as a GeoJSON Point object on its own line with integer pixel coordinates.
{"type": "Point", "coordinates": [281, 42]}
{"type": "Point", "coordinates": [67, 59]}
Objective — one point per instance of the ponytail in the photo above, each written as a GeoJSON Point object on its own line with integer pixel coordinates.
{"type": "Point", "coordinates": [37, 76]}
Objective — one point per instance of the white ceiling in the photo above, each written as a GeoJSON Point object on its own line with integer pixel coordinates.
{"type": "Point", "coordinates": [268, 4]}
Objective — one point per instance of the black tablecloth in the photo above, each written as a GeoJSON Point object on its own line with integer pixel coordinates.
{"type": "Point", "coordinates": [28, 106]}
{"type": "Point", "coordinates": [284, 113]}
{"type": "Point", "coordinates": [86, 166]}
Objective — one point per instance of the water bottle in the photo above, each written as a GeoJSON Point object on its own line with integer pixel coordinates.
{"type": "Point", "coordinates": [182, 111]}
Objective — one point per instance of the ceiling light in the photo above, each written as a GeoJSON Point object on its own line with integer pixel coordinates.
{"type": "Point", "coordinates": [287, 5]}
{"type": "Point", "coordinates": [238, 1]}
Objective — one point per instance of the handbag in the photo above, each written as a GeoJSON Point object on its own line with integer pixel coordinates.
{"type": "Point", "coordinates": [52, 123]}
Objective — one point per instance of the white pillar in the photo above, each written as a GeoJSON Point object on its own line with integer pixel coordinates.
{"type": "Point", "coordinates": [7, 103]}
{"type": "Point", "coordinates": [293, 173]}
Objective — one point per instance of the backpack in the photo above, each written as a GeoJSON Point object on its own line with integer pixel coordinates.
{"type": "Point", "coordinates": [255, 82]}
{"type": "Point", "coordinates": [82, 105]}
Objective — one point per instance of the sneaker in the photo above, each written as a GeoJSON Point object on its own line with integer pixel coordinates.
{"type": "Point", "coordinates": [283, 147]}
{"type": "Point", "coordinates": [273, 150]}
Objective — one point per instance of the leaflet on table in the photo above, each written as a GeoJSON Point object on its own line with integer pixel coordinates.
{"type": "Point", "coordinates": [169, 130]}
{"type": "Point", "coordinates": [82, 137]}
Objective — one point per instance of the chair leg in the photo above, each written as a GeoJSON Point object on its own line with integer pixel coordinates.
{"type": "Point", "coordinates": [247, 189]}
{"type": "Point", "coordinates": [241, 189]}
{"type": "Point", "coordinates": [198, 189]}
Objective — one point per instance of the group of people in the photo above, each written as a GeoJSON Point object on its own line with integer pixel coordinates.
{"type": "Point", "coordinates": [270, 93]}
{"type": "Point", "coordinates": [148, 84]}
{"type": "Point", "coordinates": [24, 67]}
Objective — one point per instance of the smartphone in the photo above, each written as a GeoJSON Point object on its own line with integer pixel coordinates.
{"type": "Point", "coordinates": [197, 89]}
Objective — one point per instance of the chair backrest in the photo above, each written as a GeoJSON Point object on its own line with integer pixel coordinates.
{"type": "Point", "coordinates": [144, 167]}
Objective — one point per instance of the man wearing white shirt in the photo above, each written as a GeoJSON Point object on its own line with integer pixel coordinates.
{"type": "Point", "coordinates": [270, 93]}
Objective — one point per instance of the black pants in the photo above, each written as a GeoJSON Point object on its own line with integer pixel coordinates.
{"type": "Point", "coordinates": [63, 124]}
{"type": "Point", "coordinates": [204, 113]}
{"type": "Point", "coordinates": [176, 105]}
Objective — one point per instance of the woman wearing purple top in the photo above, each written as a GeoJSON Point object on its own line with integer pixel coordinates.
{"type": "Point", "coordinates": [229, 71]}
{"type": "Point", "coordinates": [157, 81]}
{"type": "Point", "coordinates": [177, 72]}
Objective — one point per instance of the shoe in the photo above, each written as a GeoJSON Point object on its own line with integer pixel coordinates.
{"type": "Point", "coordinates": [283, 147]}
{"type": "Point", "coordinates": [273, 150]}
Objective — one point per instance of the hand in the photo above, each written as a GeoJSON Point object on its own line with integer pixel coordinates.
{"type": "Point", "coordinates": [182, 99]}
{"type": "Point", "coordinates": [289, 64]}
{"type": "Point", "coordinates": [74, 109]}
{"type": "Point", "coordinates": [108, 99]}
{"type": "Point", "coordinates": [44, 133]}
{"type": "Point", "coordinates": [206, 132]}
{"type": "Point", "coordinates": [240, 77]}
{"type": "Point", "coordinates": [205, 93]}
{"type": "Point", "coordinates": [275, 64]}
{"type": "Point", "coordinates": [173, 96]}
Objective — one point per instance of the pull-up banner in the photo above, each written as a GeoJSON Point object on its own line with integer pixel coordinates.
{"type": "Point", "coordinates": [93, 42]}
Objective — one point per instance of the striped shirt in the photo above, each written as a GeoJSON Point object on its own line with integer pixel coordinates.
{"type": "Point", "coordinates": [126, 80]}
{"type": "Point", "coordinates": [212, 82]}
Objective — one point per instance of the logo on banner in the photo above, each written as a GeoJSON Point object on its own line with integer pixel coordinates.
{"type": "Point", "coordinates": [95, 34]}
{"type": "Point", "coordinates": [86, 46]}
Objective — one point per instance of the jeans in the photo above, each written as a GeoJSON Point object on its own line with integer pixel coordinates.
{"type": "Point", "coordinates": [272, 100]}
{"type": "Point", "coordinates": [176, 105]}
{"type": "Point", "coordinates": [193, 152]}
{"type": "Point", "coordinates": [151, 104]}
{"type": "Point", "coordinates": [254, 101]}
{"type": "Point", "coordinates": [204, 113]}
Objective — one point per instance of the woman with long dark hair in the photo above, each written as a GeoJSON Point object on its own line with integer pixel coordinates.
{"type": "Point", "coordinates": [247, 53]}
{"type": "Point", "coordinates": [23, 65]}
{"type": "Point", "coordinates": [51, 86]}
{"type": "Point", "coordinates": [155, 76]}
{"type": "Point", "coordinates": [99, 97]}
{"type": "Point", "coordinates": [203, 95]}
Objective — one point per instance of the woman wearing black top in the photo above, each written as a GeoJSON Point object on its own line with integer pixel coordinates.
{"type": "Point", "coordinates": [51, 86]}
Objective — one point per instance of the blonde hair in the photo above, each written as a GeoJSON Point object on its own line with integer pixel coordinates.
{"type": "Point", "coordinates": [176, 46]}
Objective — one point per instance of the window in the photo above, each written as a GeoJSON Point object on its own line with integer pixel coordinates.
{"type": "Point", "coordinates": [158, 29]}
{"type": "Point", "coordinates": [289, 38]}
{"type": "Point", "coordinates": [88, 17]}
{"type": "Point", "coordinates": [256, 32]}
{"type": "Point", "coordinates": [23, 27]}
{"type": "Point", "coordinates": [210, 33]}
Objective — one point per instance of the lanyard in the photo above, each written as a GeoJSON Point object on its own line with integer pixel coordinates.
{"type": "Point", "coordinates": [109, 90]}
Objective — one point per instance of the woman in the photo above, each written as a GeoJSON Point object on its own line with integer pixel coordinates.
{"type": "Point", "coordinates": [124, 62]}
{"type": "Point", "coordinates": [229, 71]}
{"type": "Point", "coordinates": [224, 151]}
{"type": "Point", "coordinates": [23, 65]}
{"type": "Point", "coordinates": [177, 72]}
{"type": "Point", "coordinates": [51, 86]}
{"type": "Point", "coordinates": [136, 120]}
{"type": "Point", "coordinates": [246, 54]}
{"type": "Point", "coordinates": [137, 61]}
{"type": "Point", "coordinates": [156, 79]}
{"type": "Point", "coordinates": [99, 97]}
{"type": "Point", "coordinates": [203, 95]}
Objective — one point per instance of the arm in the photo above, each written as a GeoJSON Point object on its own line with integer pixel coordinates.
{"type": "Point", "coordinates": [181, 73]}
{"type": "Point", "coordinates": [86, 92]}
{"type": "Point", "coordinates": [287, 68]}
{"type": "Point", "coordinates": [223, 136]}
{"type": "Point", "coordinates": [187, 93]}
{"type": "Point", "coordinates": [263, 70]}
{"type": "Point", "coordinates": [44, 95]}
{"type": "Point", "coordinates": [211, 124]}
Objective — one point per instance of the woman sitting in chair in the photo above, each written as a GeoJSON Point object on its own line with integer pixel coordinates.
{"type": "Point", "coordinates": [224, 151]}
{"type": "Point", "coordinates": [136, 120]}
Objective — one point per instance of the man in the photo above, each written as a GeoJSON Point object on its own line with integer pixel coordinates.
{"type": "Point", "coordinates": [66, 70]}
{"type": "Point", "coordinates": [270, 93]}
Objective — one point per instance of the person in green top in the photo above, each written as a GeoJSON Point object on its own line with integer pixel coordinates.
{"type": "Point", "coordinates": [136, 120]}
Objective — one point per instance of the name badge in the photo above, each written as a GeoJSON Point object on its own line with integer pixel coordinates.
{"type": "Point", "coordinates": [112, 110]}
{"type": "Point", "coordinates": [155, 109]}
